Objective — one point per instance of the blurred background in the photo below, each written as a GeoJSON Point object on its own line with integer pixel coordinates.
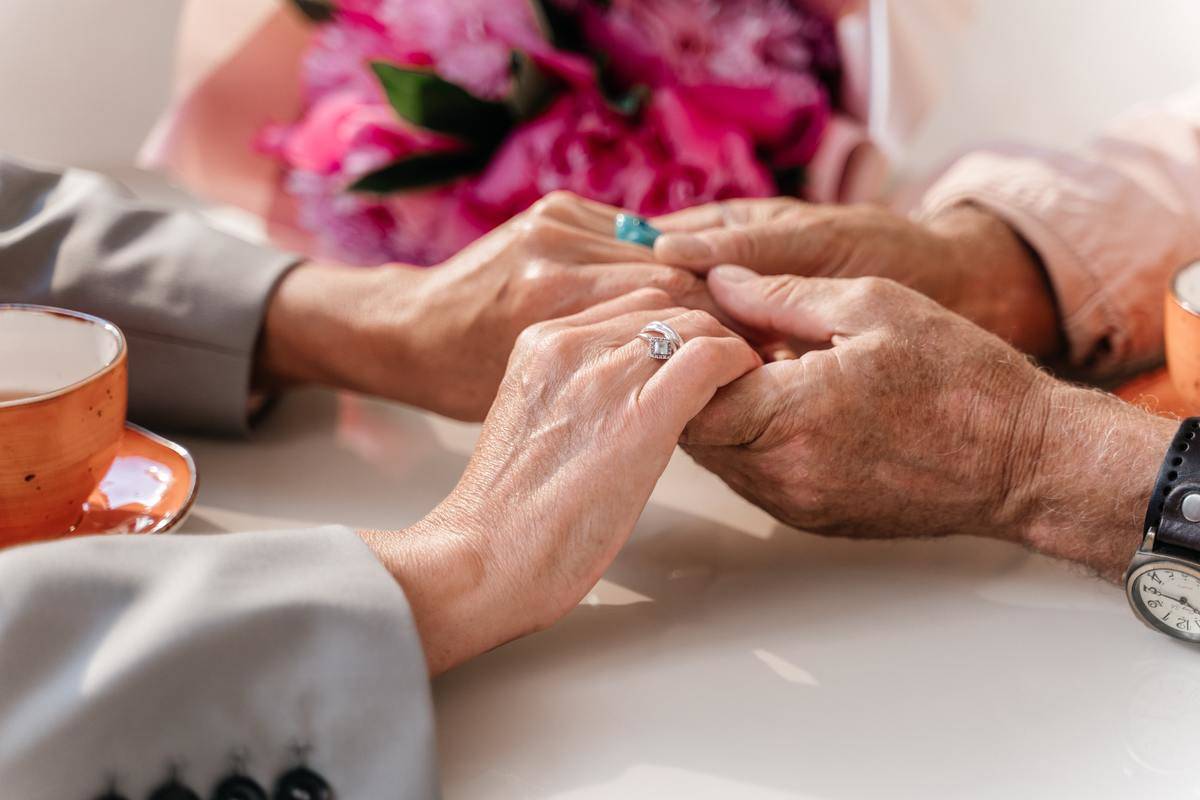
{"type": "Point", "coordinates": [81, 82]}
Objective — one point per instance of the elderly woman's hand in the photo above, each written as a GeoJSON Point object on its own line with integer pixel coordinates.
{"type": "Point", "coordinates": [582, 427]}
{"type": "Point", "coordinates": [966, 259]}
{"type": "Point", "coordinates": [439, 338]}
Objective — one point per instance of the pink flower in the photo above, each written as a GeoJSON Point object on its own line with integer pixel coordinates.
{"type": "Point", "coordinates": [340, 51]}
{"type": "Point", "coordinates": [759, 63]}
{"type": "Point", "coordinates": [675, 157]}
{"type": "Point", "coordinates": [348, 129]}
{"type": "Point", "coordinates": [467, 42]}
{"type": "Point", "coordinates": [715, 153]}
{"type": "Point", "coordinates": [730, 42]}
{"type": "Point", "coordinates": [787, 118]}
{"type": "Point", "coordinates": [342, 133]}
{"type": "Point", "coordinates": [576, 144]}
{"type": "Point", "coordinates": [734, 82]}
{"type": "Point", "coordinates": [342, 137]}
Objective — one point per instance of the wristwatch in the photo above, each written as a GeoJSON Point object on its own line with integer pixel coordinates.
{"type": "Point", "coordinates": [1163, 579]}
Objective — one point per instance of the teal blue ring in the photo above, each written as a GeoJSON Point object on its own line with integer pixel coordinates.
{"type": "Point", "coordinates": [635, 230]}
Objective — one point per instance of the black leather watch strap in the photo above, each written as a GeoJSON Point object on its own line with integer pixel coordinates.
{"type": "Point", "coordinates": [1178, 477]}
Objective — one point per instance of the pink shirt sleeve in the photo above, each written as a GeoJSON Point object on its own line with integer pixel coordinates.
{"type": "Point", "coordinates": [1111, 222]}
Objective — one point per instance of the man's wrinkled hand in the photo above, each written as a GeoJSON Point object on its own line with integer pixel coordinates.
{"type": "Point", "coordinates": [900, 418]}
{"type": "Point", "coordinates": [965, 258]}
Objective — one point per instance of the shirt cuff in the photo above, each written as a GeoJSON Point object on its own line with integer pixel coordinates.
{"type": "Point", "coordinates": [1111, 319]}
{"type": "Point", "coordinates": [197, 375]}
{"type": "Point", "coordinates": [190, 299]}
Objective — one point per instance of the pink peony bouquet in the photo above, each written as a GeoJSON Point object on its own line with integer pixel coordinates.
{"type": "Point", "coordinates": [424, 125]}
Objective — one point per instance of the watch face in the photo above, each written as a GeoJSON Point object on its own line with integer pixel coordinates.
{"type": "Point", "coordinates": [1167, 595]}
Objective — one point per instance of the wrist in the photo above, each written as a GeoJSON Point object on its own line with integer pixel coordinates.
{"type": "Point", "coordinates": [466, 595]}
{"type": "Point", "coordinates": [1000, 283]}
{"type": "Point", "coordinates": [338, 326]}
{"type": "Point", "coordinates": [444, 581]}
{"type": "Point", "coordinates": [1086, 491]}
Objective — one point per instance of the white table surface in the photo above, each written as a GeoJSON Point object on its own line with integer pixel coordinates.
{"type": "Point", "coordinates": [726, 656]}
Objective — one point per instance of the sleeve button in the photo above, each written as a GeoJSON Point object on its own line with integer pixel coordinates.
{"type": "Point", "coordinates": [301, 783]}
{"type": "Point", "coordinates": [173, 790]}
{"type": "Point", "coordinates": [238, 787]}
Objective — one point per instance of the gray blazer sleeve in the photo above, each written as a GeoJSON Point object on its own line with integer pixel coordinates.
{"type": "Point", "coordinates": [122, 656]}
{"type": "Point", "coordinates": [189, 298]}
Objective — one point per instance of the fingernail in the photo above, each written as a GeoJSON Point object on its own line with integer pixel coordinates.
{"type": "Point", "coordinates": [732, 274]}
{"type": "Point", "coordinates": [684, 246]}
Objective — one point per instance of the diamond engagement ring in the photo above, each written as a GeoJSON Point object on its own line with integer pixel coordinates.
{"type": "Point", "coordinates": [662, 338]}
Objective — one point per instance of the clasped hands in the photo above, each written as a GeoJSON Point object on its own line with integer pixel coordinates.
{"type": "Point", "coordinates": [895, 415]}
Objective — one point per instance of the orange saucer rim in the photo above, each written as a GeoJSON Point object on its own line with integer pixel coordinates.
{"type": "Point", "coordinates": [174, 517]}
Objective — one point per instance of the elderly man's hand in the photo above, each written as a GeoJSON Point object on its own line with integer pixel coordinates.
{"type": "Point", "coordinates": [966, 259]}
{"type": "Point", "coordinates": [909, 402]}
{"type": "Point", "coordinates": [904, 419]}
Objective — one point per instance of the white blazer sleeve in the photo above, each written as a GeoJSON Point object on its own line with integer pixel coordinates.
{"type": "Point", "coordinates": [123, 656]}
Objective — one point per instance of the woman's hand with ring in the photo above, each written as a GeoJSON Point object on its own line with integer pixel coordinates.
{"type": "Point", "coordinates": [387, 331]}
{"type": "Point", "coordinates": [583, 426]}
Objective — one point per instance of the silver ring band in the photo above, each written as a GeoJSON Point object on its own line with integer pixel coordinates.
{"type": "Point", "coordinates": [662, 338]}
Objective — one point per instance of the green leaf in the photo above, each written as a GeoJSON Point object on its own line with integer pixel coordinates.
{"type": "Point", "coordinates": [316, 10]}
{"type": "Point", "coordinates": [623, 99]}
{"type": "Point", "coordinates": [630, 103]}
{"type": "Point", "coordinates": [532, 88]}
{"type": "Point", "coordinates": [418, 172]}
{"type": "Point", "coordinates": [426, 100]}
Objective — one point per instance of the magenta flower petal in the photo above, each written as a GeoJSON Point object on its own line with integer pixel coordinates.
{"type": "Point", "coordinates": [676, 156]}
{"type": "Point", "coordinates": [760, 63]}
{"type": "Point", "coordinates": [343, 132]}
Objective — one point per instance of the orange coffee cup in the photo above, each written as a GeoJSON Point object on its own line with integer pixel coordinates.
{"type": "Point", "coordinates": [63, 389]}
